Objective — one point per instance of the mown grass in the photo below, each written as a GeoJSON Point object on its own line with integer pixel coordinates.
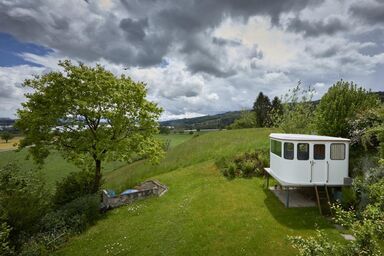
{"type": "Point", "coordinates": [207, 146]}
{"type": "Point", "coordinates": [202, 214]}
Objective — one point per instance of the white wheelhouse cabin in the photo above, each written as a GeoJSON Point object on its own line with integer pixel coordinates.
{"type": "Point", "coordinates": [298, 160]}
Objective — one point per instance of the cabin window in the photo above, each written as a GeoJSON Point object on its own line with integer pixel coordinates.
{"type": "Point", "coordinates": [288, 150]}
{"type": "Point", "coordinates": [276, 147]}
{"type": "Point", "coordinates": [319, 151]}
{"type": "Point", "coordinates": [302, 151]}
{"type": "Point", "coordinates": [337, 151]}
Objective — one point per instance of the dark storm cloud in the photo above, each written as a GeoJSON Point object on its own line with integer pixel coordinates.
{"type": "Point", "coordinates": [134, 29]}
{"type": "Point", "coordinates": [134, 33]}
{"type": "Point", "coordinates": [316, 28]}
{"type": "Point", "coordinates": [370, 12]}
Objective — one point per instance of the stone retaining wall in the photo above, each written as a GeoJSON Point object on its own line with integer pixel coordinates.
{"type": "Point", "coordinates": [145, 190]}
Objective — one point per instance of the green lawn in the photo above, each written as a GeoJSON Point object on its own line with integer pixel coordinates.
{"type": "Point", "coordinates": [56, 167]}
{"type": "Point", "coordinates": [207, 146]}
{"type": "Point", "coordinates": [202, 213]}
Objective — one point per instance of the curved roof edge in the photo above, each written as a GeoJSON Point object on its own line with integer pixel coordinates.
{"type": "Point", "coordinates": [305, 137]}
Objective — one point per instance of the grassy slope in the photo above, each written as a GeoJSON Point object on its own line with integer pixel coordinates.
{"type": "Point", "coordinates": [202, 213]}
{"type": "Point", "coordinates": [207, 146]}
{"type": "Point", "coordinates": [56, 168]}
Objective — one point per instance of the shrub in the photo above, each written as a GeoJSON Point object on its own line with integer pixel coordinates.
{"type": "Point", "coordinates": [340, 104]}
{"type": "Point", "coordinates": [244, 165]}
{"type": "Point", "coordinates": [80, 213]}
{"type": "Point", "coordinates": [5, 247]}
{"type": "Point", "coordinates": [24, 199]}
{"type": "Point", "coordinates": [75, 185]}
{"type": "Point", "coordinates": [297, 112]}
{"type": "Point", "coordinates": [246, 120]}
{"type": "Point", "coordinates": [166, 144]}
{"type": "Point", "coordinates": [349, 199]}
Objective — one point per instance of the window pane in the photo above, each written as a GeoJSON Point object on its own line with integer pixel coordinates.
{"type": "Point", "coordinates": [302, 151]}
{"type": "Point", "coordinates": [276, 147]}
{"type": "Point", "coordinates": [288, 150]}
{"type": "Point", "coordinates": [337, 151]}
{"type": "Point", "coordinates": [319, 151]}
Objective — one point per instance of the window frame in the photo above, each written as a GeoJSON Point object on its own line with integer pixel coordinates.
{"type": "Point", "coordinates": [314, 151]}
{"type": "Point", "coordinates": [330, 151]}
{"type": "Point", "coordinates": [285, 150]}
{"type": "Point", "coordinates": [297, 151]}
{"type": "Point", "coordinates": [273, 147]}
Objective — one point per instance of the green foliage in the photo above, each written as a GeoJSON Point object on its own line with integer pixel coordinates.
{"type": "Point", "coordinates": [5, 247]}
{"type": "Point", "coordinates": [56, 226]}
{"type": "Point", "coordinates": [246, 120]}
{"type": "Point", "coordinates": [313, 246]}
{"type": "Point", "coordinates": [81, 212]}
{"type": "Point", "coordinates": [340, 104]}
{"type": "Point", "coordinates": [348, 197]}
{"type": "Point", "coordinates": [261, 108]}
{"type": "Point", "coordinates": [23, 198]}
{"type": "Point", "coordinates": [89, 115]}
{"type": "Point", "coordinates": [298, 111]}
{"type": "Point", "coordinates": [166, 145]}
{"type": "Point", "coordinates": [164, 130]}
{"type": "Point", "coordinates": [366, 224]}
{"type": "Point", "coordinates": [277, 110]}
{"type": "Point", "coordinates": [75, 185]}
{"type": "Point", "coordinates": [6, 136]}
{"type": "Point", "coordinates": [244, 165]}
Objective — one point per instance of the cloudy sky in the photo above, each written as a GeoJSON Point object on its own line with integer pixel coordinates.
{"type": "Point", "coordinates": [197, 57]}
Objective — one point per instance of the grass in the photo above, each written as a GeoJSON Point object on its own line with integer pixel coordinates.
{"type": "Point", "coordinates": [56, 167]}
{"type": "Point", "coordinates": [202, 213]}
{"type": "Point", "coordinates": [207, 146]}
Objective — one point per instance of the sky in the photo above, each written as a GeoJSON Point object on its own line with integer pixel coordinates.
{"type": "Point", "coordinates": [196, 57]}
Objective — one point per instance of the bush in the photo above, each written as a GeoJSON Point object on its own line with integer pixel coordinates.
{"type": "Point", "coordinates": [24, 199]}
{"type": "Point", "coordinates": [246, 120]}
{"type": "Point", "coordinates": [297, 112]}
{"type": "Point", "coordinates": [75, 185]}
{"type": "Point", "coordinates": [166, 144]}
{"type": "Point", "coordinates": [245, 165]}
{"type": "Point", "coordinates": [340, 104]}
{"type": "Point", "coordinates": [349, 199]}
{"type": "Point", "coordinates": [5, 247]}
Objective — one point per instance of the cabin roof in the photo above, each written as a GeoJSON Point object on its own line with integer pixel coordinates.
{"type": "Point", "coordinates": [305, 137]}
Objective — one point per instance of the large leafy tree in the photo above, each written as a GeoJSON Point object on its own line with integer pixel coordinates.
{"type": "Point", "coordinates": [90, 116]}
{"type": "Point", "coordinates": [340, 104]}
{"type": "Point", "coordinates": [261, 107]}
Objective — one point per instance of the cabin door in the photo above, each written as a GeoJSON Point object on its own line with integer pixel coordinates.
{"type": "Point", "coordinates": [319, 164]}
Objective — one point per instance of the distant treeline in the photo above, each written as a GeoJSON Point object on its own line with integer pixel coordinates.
{"type": "Point", "coordinates": [218, 121]}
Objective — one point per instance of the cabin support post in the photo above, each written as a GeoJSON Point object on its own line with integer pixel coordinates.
{"type": "Point", "coordinates": [267, 180]}
{"type": "Point", "coordinates": [287, 197]}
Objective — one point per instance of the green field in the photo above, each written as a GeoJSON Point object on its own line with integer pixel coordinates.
{"type": "Point", "coordinates": [202, 213]}
{"type": "Point", "coordinates": [56, 168]}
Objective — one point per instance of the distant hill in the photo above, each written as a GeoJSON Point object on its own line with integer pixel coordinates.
{"type": "Point", "coordinates": [204, 122]}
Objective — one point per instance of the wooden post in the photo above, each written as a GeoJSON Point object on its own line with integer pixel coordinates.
{"type": "Point", "coordinates": [318, 200]}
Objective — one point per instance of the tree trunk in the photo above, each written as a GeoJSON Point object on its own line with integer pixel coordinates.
{"type": "Point", "coordinates": [97, 176]}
